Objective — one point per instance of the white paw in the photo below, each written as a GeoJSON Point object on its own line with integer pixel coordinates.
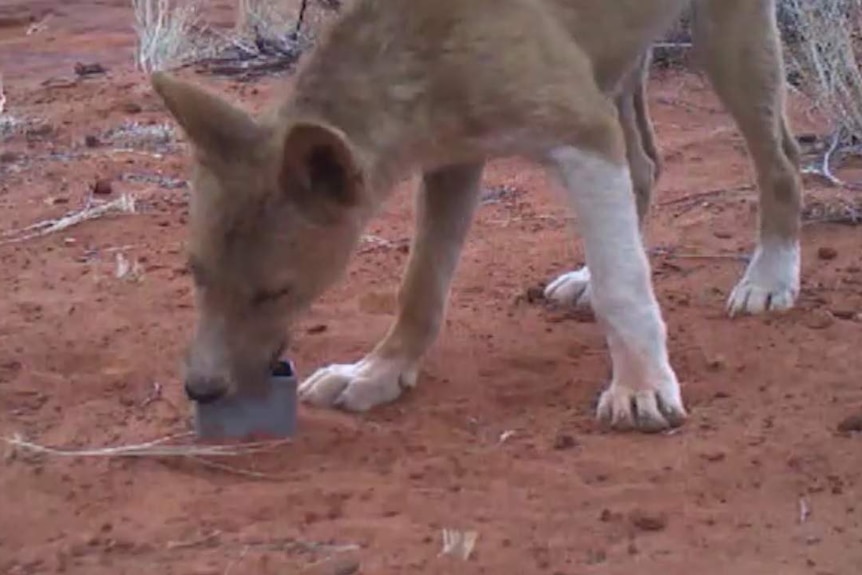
{"type": "Point", "coordinates": [358, 386]}
{"type": "Point", "coordinates": [571, 289]}
{"type": "Point", "coordinates": [657, 408]}
{"type": "Point", "coordinates": [771, 281]}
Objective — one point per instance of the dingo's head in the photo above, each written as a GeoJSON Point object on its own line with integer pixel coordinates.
{"type": "Point", "coordinates": [275, 213]}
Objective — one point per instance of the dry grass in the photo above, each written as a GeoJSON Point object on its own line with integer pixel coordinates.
{"type": "Point", "coordinates": [823, 55]}
{"type": "Point", "coordinates": [165, 33]}
{"type": "Point", "coordinates": [125, 204]}
{"type": "Point", "coordinates": [264, 18]}
{"type": "Point", "coordinates": [821, 40]}
{"type": "Point", "coordinates": [9, 125]}
{"type": "Point", "coordinates": [168, 446]}
{"type": "Point", "coordinates": [176, 446]}
{"type": "Point", "coordinates": [268, 37]}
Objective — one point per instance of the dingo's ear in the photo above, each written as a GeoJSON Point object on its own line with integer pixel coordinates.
{"type": "Point", "coordinates": [212, 124]}
{"type": "Point", "coordinates": [320, 173]}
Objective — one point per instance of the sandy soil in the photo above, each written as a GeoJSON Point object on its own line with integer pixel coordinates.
{"type": "Point", "coordinates": [759, 480]}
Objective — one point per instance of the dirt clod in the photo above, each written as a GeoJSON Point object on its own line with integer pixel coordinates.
{"type": "Point", "coordinates": [827, 253]}
{"type": "Point", "coordinates": [648, 520]}
{"type": "Point", "coordinates": [335, 566]}
{"type": "Point", "coordinates": [714, 456]}
{"type": "Point", "coordinates": [819, 319]}
{"type": "Point", "coordinates": [9, 157]}
{"type": "Point", "coordinates": [102, 187]}
{"type": "Point", "coordinates": [535, 294]}
{"type": "Point", "coordinates": [845, 314]}
{"type": "Point", "coordinates": [564, 441]}
{"type": "Point", "coordinates": [89, 69]}
{"type": "Point", "coordinates": [851, 423]}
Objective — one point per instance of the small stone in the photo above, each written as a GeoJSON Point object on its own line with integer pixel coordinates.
{"type": "Point", "coordinates": [827, 253]}
{"type": "Point", "coordinates": [39, 131]}
{"type": "Point", "coordinates": [845, 314]}
{"type": "Point", "coordinates": [535, 294]}
{"type": "Point", "coordinates": [722, 234]}
{"type": "Point", "coordinates": [89, 69]}
{"type": "Point", "coordinates": [132, 108]}
{"type": "Point", "coordinates": [606, 516]}
{"type": "Point", "coordinates": [647, 521]}
{"type": "Point", "coordinates": [102, 187]}
{"type": "Point", "coordinates": [316, 329]}
{"type": "Point", "coordinates": [92, 141]}
{"type": "Point", "coordinates": [851, 423]}
{"type": "Point", "coordinates": [714, 456]}
{"type": "Point", "coordinates": [564, 441]}
{"type": "Point", "coordinates": [716, 363]}
{"type": "Point", "coordinates": [819, 319]}
{"type": "Point", "coordinates": [9, 157]}
{"type": "Point", "coordinates": [596, 556]}
{"type": "Point", "coordinates": [347, 566]}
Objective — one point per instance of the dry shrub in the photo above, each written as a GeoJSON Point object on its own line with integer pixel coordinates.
{"type": "Point", "coordinates": [821, 39]}
{"type": "Point", "coordinates": [822, 49]}
{"type": "Point", "coordinates": [264, 18]}
{"type": "Point", "coordinates": [165, 33]}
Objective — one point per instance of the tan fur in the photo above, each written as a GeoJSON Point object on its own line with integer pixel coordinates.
{"type": "Point", "coordinates": [441, 86]}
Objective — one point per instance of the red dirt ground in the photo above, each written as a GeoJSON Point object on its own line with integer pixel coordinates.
{"type": "Point", "coordinates": [723, 495]}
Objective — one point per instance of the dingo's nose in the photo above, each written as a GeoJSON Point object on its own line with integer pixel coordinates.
{"type": "Point", "coordinates": [205, 390]}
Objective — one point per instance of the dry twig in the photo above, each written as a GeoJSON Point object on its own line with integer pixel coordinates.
{"type": "Point", "coordinates": [163, 447]}
{"type": "Point", "coordinates": [804, 510]}
{"type": "Point", "coordinates": [125, 204]}
{"type": "Point", "coordinates": [459, 543]}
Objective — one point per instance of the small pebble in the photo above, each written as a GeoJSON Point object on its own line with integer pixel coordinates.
{"type": "Point", "coordinates": [827, 253]}
{"type": "Point", "coordinates": [846, 314]}
{"type": "Point", "coordinates": [819, 319]}
{"type": "Point", "coordinates": [102, 187]}
{"type": "Point", "coordinates": [646, 521]}
{"type": "Point", "coordinates": [535, 294]}
{"type": "Point", "coordinates": [91, 141]}
{"type": "Point", "coordinates": [606, 516]}
{"type": "Point", "coordinates": [564, 441]}
{"type": "Point", "coordinates": [716, 363]}
{"type": "Point", "coordinates": [89, 69]}
{"type": "Point", "coordinates": [851, 423]}
{"type": "Point", "coordinates": [9, 157]}
{"type": "Point", "coordinates": [40, 130]}
{"type": "Point", "coordinates": [714, 456]}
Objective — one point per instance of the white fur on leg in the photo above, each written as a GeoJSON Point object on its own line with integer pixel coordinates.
{"type": "Point", "coordinates": [572, 288]}
{"type": "Point", "coordinates": [771, 281]}
{"type": "Point", "coordinates": [358, 386]}
{"type": "Point", "coordinates": [644, 393]}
